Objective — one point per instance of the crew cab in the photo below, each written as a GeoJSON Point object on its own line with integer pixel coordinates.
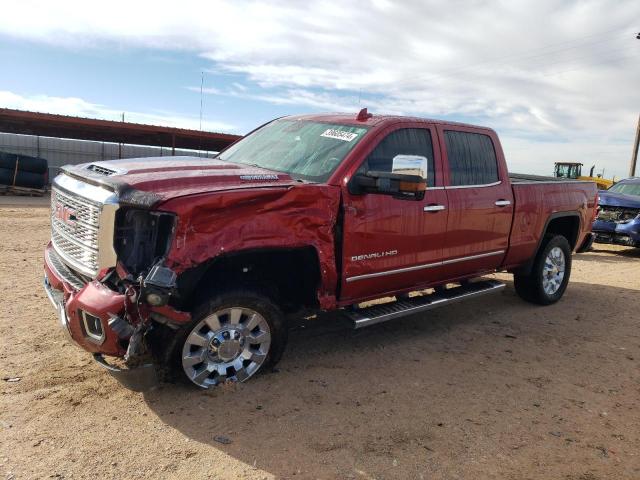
{"type": "Point", "coordinates": [192, 267]}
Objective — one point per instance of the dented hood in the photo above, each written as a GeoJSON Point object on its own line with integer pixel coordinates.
{"type": "Point", "coordinates": [614, 199]}
{"type": "Point", "coordinates": [147, 181]}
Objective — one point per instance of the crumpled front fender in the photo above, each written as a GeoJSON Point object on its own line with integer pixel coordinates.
{"type": "Point", "coordinates": [210, 225]}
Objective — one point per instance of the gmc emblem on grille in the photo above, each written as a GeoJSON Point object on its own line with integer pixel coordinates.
{"type": "Point", "coordinates": [65, 214]}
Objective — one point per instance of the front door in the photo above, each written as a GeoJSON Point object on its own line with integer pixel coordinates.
{"type": "Point", "coordinates": [392, 243]}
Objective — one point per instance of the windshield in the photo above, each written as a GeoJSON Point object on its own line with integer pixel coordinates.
{"type": "Point", "coordinates": [626, 188]}
{"type": "Point", "coordinates": [303, 149]}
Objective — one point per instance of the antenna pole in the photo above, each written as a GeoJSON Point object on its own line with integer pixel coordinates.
{"type": "Point", "coordinates": [120, 144]}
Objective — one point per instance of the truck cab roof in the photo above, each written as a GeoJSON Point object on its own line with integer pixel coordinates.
{"type": "Point", "coordinates": [379, 121]}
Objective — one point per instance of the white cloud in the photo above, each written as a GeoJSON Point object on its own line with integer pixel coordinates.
{"type": "Point", "coordinates": [207, 90]}
{"type": "Point", "coordinates": [539, 72]}
{"type": "Point", "coordinates": [81, 108]}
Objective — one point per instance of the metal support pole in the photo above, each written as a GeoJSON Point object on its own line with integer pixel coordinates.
{"type": "Point", "coordinates": [634, 153]}
{"type": "Point", "coordinates": [120, 144]}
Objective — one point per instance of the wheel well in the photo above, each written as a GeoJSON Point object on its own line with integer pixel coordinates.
{"type": "Point", "coordinates": [289, 276]}
{"type": "Point", "coordinates": [567, 226]}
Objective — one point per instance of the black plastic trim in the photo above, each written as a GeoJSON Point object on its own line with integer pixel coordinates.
{"type": "Point", "coordinates": [138, 379]}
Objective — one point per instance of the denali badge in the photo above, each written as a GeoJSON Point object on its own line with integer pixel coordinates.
{"type": "Point", "coordinates": [258, 177]}
{"type": "Point", "coordinates": [65, 214]}
{"type": "Point", "coordinates": [369, 256]}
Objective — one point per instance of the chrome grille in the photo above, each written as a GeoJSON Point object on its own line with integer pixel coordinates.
{"type": "Point", "coordinates": [63, 271]}
{"type": "Point", "coordinates": [85, 234]}
{"type": "Point", "coordinates": [85, 211]}
{"type": "Point", "coordinates": [74, 230]}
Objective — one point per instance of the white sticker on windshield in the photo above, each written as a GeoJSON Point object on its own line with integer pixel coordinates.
{"type": "Point", "coordinates": [339, 135]}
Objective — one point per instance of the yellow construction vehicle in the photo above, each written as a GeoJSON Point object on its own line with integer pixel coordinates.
{"type": "Point", "coordinates": [574, 170]}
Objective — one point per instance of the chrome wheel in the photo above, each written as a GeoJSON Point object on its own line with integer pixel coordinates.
{"type": "Point", "coordinates": [553, 271]}
{"type": "Point", "coordinates": [230, 344]}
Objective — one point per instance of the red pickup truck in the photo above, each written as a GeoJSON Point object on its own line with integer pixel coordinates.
{"type": "Point", "coordinates": [191, 266]}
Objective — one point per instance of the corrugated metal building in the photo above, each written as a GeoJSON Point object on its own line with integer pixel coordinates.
{"type": "Point", "coordinates": [62, 139]}
{"type": "Point", "coordinates": [62, 151]}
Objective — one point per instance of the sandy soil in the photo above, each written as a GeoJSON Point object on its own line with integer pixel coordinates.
{"type": "Point", "coordinates": [492, 388]}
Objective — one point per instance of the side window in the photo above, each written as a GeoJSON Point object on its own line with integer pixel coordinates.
{"type": "Point", "coordinates": [406, 141]}
{"type": "Point", "coordinates": [472, 158]}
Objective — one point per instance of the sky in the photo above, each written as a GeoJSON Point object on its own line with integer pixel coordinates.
{"type": "Point", "coordinates": [558, 80]}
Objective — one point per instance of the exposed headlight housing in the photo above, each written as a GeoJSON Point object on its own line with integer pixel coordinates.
{"type": "Point", "coordinates": [158, 285]}
{"type": "Point", "coordinates": [142, 237]}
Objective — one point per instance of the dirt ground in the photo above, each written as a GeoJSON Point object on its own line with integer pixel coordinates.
{"type": "Point", "coordinates": [491, 388]}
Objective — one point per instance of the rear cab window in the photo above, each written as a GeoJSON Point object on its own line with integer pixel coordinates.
{"type": "Point", "coordinates": [472, 158]}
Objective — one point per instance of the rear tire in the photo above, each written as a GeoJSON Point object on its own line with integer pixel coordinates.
{"type": "Point", "coordinates": [549, 276]}
{"type": "Point", "coordinates": [232, 336]}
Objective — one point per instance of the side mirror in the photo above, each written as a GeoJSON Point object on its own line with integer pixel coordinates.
{"type": "Point", "coordinates": [410, 165]}
{"type": "Point", "coordinates": [408, 178]}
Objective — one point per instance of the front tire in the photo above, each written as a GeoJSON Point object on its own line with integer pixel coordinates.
{"type": "Point", "coordinates": [549, 275]}
{"type": "Point", "coordinates": [232, 336]}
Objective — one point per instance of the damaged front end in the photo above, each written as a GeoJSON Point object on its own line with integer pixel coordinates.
{"type": "Point", "coordinates": [617, 225]}
{"type": "Point", "coordinates": [111, 313]}
{"type": "Point", "coordinates": [142, 239]}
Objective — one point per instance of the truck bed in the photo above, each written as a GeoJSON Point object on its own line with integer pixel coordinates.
{"type": "Point", "coordinates": [537, 200]}
{"type": "Point", "coordinates": [517, 178]}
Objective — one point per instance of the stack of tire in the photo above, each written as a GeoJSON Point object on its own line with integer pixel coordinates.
{"type": "Point", "coordinates": [23, 171]}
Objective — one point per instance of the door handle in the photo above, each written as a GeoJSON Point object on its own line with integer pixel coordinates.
{"type": "Point", "coordinates": [503, 203]}
{"type": "Point", "coordinates": [434, 208]}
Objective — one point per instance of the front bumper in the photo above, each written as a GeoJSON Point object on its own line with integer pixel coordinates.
{"type": "Point", "coordinates": [73, 301]}
{"type": "Point", "coordinates": [56, 297]}
{"type": "Point", "coordinates": [77, 301]}
{"type": "Point", "coordinates": [84, 309]}
{"type": "Point", "coordinates": [627, 234]}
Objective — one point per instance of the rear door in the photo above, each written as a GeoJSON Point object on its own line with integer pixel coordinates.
{"type": "Point", "coordinates": [391, 243]}
{"type": "Point", "coordinates": [480, 200]}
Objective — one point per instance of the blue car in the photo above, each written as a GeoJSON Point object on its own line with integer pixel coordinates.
{"type": "Point", "coordinates": [618, 219]}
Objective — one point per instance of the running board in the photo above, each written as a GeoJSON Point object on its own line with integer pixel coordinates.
{"type": "Point", "coordinates": [363, 317]}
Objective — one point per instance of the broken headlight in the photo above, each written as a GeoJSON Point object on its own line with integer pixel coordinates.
{"type": "Point", "coordinates": [618, 214]}
{"type": "Point", "coordinates": [142, 237]}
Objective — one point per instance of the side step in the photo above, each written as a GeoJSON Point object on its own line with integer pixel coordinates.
{"type": "Point", "coordinates": [363, 317]}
